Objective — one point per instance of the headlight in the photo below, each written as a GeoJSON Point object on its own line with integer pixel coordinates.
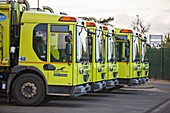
{"type": "Point", "coordinates": [111, 68]}
{"type": "Point", "coordinates": [99, 69]}
{"type": "Point", "coordinates": [81, 71]}
{"type": "Point", "coordinates": [135, 68]}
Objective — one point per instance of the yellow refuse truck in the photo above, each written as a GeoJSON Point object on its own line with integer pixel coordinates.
{"type": "Point", "coordinates": [110, 57]}
{"type": "Point", "coordinates": [128, 54]}
{"type": "Point", "coordinates": [97, 57]}
{"type": "Point", "coordinates": [144, 60]}
{"type": "Point", "coordinates": [41, 54]}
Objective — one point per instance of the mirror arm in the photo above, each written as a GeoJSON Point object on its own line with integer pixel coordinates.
{"type": "Point", "coordinates": [68, 60]}
{"type": "Point", "coordinates": [148, 45]}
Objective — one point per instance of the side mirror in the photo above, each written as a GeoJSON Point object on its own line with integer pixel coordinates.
{"type": "Point", "coordinates": [68, 38]}
{"type": "Point", "coordinates": [68, 49]}
{"type": "Point", "coordinates": [127, 45]}
{"type": "Point", "coordinates": [148, 45]}
{"type": "Point", "coordinates": [68, 52]}
{"type": "Point", "coordinates": [90, 52]}
{"type": "Point", "coordinates": [127, 52]}
{"type": "Point", "coordinates": [90, 40]}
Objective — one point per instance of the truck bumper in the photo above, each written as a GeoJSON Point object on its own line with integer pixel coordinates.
{"type": "Point", "coordinates": [88, 88]}
{"type": "Point", "coordinates": [79, 90]}
{"type": "Point", "coordinates": [144, 80]}
{"type": "Point", "coordinates": [110, 84]}
{"type": "Point", "coordinates": [116, 82]}
{"type": "Point", "coordinates": [97, 86]}
{"type": "Point", "coordinates": [135, 82]}
{"type": "Point", "coordinates": [73, 91]}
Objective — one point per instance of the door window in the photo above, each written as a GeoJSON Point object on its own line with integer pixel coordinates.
{"type": "Point", "coordinates": [58, 43]}
{"type": "Point", "coordinates": [40, 41]}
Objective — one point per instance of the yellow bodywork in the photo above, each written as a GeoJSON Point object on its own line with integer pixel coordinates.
{"type": "Point", "coordinates": [5, 9]}
{"type": "Point", "coordinates": [144, 64]}
{"type": "Point", "coordinates": [127, 69]}
{"type": "Point", "coordinates": [111, 66]}
{"type": "Point", "coordinates": [71, 73]}
{"type": "Point", "coordinates": [98, 68]}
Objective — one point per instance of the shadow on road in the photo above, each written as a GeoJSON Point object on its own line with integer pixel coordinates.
{"type": "Point", "coordinates": [63, 104]}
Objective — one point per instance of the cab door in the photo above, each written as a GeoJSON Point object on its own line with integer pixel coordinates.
{"type": "Point", "coordinates": [60, 65]}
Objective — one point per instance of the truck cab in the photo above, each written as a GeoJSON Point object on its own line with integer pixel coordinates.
{"type": "Point", "coordinates": [144, 60]}
{"type": "Point", "coordinates": [42, 54]}
{"type": "Point", "coordinates": [111, 61]}
{"type": "Point", "coordinates": [97, 56]}
{"type": "Point", "coordinates": [128, 52]}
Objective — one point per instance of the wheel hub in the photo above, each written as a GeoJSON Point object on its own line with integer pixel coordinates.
{"type": "Point", "coordinates": [28, 90]}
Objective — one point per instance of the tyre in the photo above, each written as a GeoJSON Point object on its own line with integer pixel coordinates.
{"type": "Point", "coordinates": [28, 90]}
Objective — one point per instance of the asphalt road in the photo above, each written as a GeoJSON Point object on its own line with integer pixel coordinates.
{"type": "Point", "coordinates": [126, 100]}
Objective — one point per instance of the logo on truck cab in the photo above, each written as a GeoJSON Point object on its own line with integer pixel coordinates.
{"type": "Point", "coordinates": [2, 17]}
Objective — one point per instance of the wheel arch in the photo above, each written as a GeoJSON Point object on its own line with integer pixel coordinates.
{"type": "Point", "coordinates": [19, 70]}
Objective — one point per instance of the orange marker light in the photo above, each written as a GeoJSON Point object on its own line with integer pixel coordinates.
{"type": "Point", "coordinates": [105, 28]}
{"type": "Point", "coordinates": [126, 31]}
{"type": "Point", "coordinates": [140, 35]}
{"type": "Point", "coordinates": [68, 19]}
{"type": "Point", "coordinates": [90, 24]}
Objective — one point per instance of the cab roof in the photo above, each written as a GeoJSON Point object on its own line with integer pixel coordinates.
{"type": "Point", "coordinates": [41, 17]}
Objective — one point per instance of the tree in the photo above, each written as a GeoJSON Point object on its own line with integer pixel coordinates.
{"type": "Point", "coordinates": [138, 25]}
{"type": "Point", "coordinates": [106, 21]}
{"type": "Point", "coordinates": [166, 42]}
{"type": "Point", "coordinates": [103, 21]}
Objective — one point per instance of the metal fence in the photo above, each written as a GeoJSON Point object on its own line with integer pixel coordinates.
{"type": "Point", "coordinates": [159, 60]}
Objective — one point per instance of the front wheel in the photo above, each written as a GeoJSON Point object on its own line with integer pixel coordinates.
{"type": "Point", "coordinates": [28, 89]}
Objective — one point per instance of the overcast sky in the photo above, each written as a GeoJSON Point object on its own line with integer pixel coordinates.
{"type": "Point", "coordinates": [154, 12]}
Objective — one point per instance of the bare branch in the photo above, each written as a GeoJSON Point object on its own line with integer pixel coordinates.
{"type": "Point", "coordinates": [106, 21]}
{"type": "Point", "coordinates": [139, 26]}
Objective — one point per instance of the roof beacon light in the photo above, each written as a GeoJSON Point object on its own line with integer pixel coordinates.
{"type": "Point", "coordinates": [140, 35]}
{"type": "Point", "coordinates": [105, 28]}
{"type": "Point", "coordinates": [90, 24]}
{"type": "Point", "coordinates": [68, 19]}
{"type": "Point", "coordinates": [126, 31]}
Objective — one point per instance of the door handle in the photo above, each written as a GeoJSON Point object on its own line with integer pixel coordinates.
{"type": "Point", "coordinates": [49, 67]}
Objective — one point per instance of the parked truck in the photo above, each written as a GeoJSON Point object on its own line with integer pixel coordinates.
{"type": "Point", "coordinates": [98, 69]}
{"type": "Point", "coordinates": [144, 61]}
{"type": "Point", "coordinates": [128, 53]}
{"type": "Point", "coordinates": [37, 54]}
{"type": "Point", "coordinates": [110, 57]}
{"type": "Point", "coordinates": [104, 69]}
